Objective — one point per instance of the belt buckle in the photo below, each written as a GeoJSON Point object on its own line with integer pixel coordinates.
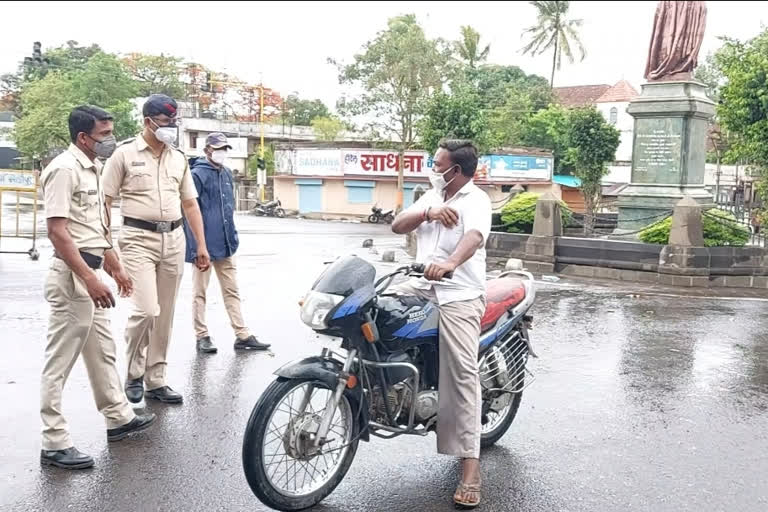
{"type": "Point", "coordinates": [164, 227]}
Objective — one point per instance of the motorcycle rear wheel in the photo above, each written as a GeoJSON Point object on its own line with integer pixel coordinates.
{"type": "Point", "coordinates": [280, 397]}
{"type": "Point", "coordinates": [490, 436]}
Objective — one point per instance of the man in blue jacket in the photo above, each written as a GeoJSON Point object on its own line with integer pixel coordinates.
{"type": "Point", "coordinates": [217, 204]}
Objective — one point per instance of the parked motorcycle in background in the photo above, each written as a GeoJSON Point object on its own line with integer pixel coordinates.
{"type": "Point", "coordinates": [378, 215]}
{"type": "Point", "coordinates": [270, 209]}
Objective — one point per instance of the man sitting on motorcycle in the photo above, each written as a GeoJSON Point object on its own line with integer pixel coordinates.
{"type": "Point", "coordinates": [452, 222]}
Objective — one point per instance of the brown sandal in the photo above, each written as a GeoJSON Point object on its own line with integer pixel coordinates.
{"type": "Point", "coordinates": [462, 490]}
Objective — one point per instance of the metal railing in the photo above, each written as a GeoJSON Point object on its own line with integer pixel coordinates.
{"type": "Point", "coordinates": [745, 208]}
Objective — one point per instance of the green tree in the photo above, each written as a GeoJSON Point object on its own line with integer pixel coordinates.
{"type": "Point", "coordinates": [298, 112]}
{"type": "Point", "coordinates": [555, 31]}
{"type": "Point", "coordinates": [327, 129]}
{"type": "Point", "coordinates": [156, 74]}
{"type": "Point", "coordinates": [490, 105]}
{"type": "Point", "coordinates": [548, 129]}
{"type": "Point", "coordinates": [592, 143]}
{"type": "Point", "coordinates": [468, 47]}
{"type": "Point", "coordinates": [68, 57]}
{"type": "Point", "coordinates": [459, 115]}
{"type": "Point", "coordinates": [397, 71]}
{"type": "Point", "coordinates": [743, 106]}
{"type": "Point", "coordinates": [45, 104]}
{"type": "Point", "coordinates": [493, 82]}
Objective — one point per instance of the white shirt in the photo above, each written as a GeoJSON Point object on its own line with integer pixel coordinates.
{"type": "Point", "coordinates": [436, 243]}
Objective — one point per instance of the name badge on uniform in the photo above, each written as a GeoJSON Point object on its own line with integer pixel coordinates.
{"type": "Point", "coordinates": [92, 192]}
{"type": "Point", "coordinates": [138, 164]}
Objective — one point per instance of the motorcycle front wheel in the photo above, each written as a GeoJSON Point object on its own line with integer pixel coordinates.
{"type": "Point", "coordinates": [279, 213]}
{"type": "Point", "coordinates": [282, 465]}
{"type": "Point", "coordinates": [373, 219]}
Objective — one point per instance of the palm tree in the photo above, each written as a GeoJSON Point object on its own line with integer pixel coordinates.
{"type": "Point", "coordinates": [554, 30]}
{"type": "Point", "coordinates": [468, 47]}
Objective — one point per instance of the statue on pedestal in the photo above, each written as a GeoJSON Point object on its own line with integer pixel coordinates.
{"type": "Point", "coordinates": [678, 30]}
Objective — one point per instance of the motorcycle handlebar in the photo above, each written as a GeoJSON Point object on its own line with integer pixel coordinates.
{"type": "Point", "coordinates": [420, 268]}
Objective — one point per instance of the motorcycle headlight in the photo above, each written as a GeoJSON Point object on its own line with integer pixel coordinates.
{"type": "Point", "coordinates": [314, 311]}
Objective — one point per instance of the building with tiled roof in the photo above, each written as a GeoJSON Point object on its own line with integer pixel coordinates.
{"type": "Point", "coordinates": [579, 95]}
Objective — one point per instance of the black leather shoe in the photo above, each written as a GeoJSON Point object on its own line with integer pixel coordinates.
{"type": "Point", "coordinates": [250, 343]}
{"type": "Point", "coordinates": [206, 346]}
{"type": "Point", "coordinates": [71, 458]}
{"type": "Point", "coordinates": [137, 424]}
{"type": "Point", "coordinates": [134, 390]}
{"type": "Point", "coordinates": [165, 394]}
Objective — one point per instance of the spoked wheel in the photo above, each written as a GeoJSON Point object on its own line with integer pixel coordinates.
{"type": "Point", "coordinates": [284, 468]}
{"type": "Point", "coordinates": [373, 219]}
{"type": "Point", "coordinates": [279, 213]}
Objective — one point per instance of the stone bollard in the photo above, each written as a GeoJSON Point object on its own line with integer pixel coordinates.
{"type": "Point", "coordinates": [547, 221]}
{"type": "Point", "coordinates": [687, 228]}
{"type": "Point", "coordinates": [547, 227]}
{"type": "Point", "coordinates": [685, 255]}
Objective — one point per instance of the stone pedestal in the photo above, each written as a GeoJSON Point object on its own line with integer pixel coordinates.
{"type": "Point", "coordinates": [669, 152]}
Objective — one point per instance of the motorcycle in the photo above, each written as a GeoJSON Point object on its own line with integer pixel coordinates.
{"type": "Point", "coordinates": [378, 378]}
{"type": "Point", "coordinates": [378, 215]}
{"type": "Point", "coordinates": [270, 209]}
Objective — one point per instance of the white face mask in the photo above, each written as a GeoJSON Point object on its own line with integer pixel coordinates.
{"type": "Point", "coordinates": [438, 180]}
{"type": "Point", "coordinates": [165, 134]}
{"type": "Point", "coordinates": [218, 156]}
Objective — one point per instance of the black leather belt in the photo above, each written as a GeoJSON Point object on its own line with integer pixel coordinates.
{"type": "Point", "coordinates": [91, 260]}
{"type": "Point", "coordinates": [157, 227]}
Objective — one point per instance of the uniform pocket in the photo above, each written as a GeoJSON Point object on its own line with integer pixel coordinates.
{"type": "Point", "coordinates": [59, 285]}
{"type": "Point", "coordinates": [138, 181]}
{"type": "Point", "coordinates": [87, 202]}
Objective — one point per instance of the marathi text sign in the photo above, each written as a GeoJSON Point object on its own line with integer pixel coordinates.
{"type": "Point", "coordinates": [516, 167]}
{"type": "Point", "coordinates": [385, 163]}
{"type": "Point", "coordinates": [17, 180]}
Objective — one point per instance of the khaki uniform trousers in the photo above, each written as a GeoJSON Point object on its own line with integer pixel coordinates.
{"type": "Point", "coordinates": [226, 272]}
{"type": "Point", "coordinates": [155, 262]}
{"type": "Point", "coordinates": [459, 393]}
{"type": "Point", "coordinates": [77, 327]}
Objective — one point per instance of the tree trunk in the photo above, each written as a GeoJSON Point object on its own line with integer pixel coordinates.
{"type": "Point", "coordinates": [590, 202]}
{"type": "Point", "coordinates": [554, 65]}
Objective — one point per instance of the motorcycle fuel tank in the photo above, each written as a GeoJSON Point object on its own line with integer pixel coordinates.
{"type": "Point", "coordinates": [406, 321]}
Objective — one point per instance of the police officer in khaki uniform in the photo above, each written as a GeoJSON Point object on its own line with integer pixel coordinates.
{"type": "Point", "coordinates": [153, 179]}
{"type": "Point", "coordinates": [78, 323]}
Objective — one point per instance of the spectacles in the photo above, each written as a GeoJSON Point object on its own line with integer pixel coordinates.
{"type": "Point", "coordinates": [173, 123]}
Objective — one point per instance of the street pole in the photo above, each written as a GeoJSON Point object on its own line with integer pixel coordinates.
{"type": "Point", "coordinates": [261, 144]}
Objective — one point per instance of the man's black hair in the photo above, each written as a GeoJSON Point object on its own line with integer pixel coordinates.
{"type": "Point", "coordinates": [83, 119]}
{"type": "Point", "coordinates": [463, 153]}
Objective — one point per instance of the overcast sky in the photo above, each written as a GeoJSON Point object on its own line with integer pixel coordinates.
{"type": "Point", "coordinates": [288, 43]}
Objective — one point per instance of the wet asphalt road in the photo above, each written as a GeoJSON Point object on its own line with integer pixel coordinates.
{"type": "Point", "coordinates": [642, 402]}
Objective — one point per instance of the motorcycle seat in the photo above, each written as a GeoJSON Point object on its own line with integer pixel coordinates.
{"type": "Point", "coordinates": [502, 295]}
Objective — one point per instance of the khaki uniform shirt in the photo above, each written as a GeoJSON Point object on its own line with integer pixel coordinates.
{"type": "Point", "coordinates": [71, 190]}
{"type": "Point", "coordinates": [152, 188]}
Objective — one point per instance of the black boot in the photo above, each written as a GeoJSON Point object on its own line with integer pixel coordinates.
{"type": "Point", "coordinates": [137, 424]}
{"type": "Point", "coordinates": [71, 458]}
{"type": "Point", "coordinates": [206, 346]}
{"type": "Point", "coordinates": [250, 343]}
{"type": "Point", "coordinates": [134, 390]}
{"type": "Point", "coordinates": [165, 394]}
